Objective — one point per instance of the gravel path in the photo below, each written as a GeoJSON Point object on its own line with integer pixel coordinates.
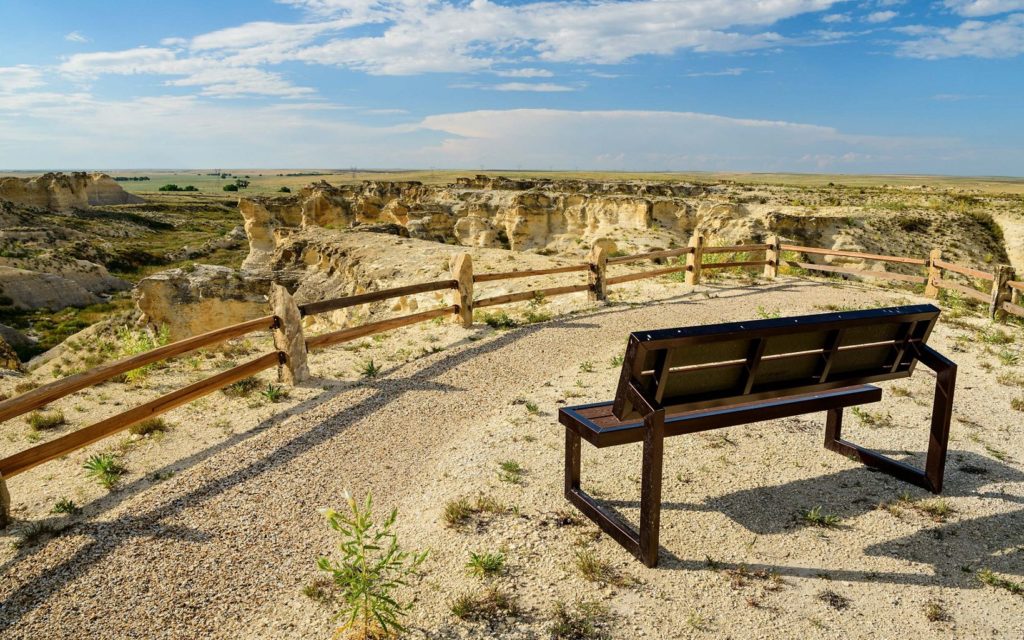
{"type": "Point", "coordinates": [223, 548]}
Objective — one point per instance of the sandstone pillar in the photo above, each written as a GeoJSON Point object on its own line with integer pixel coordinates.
{"type": "Point", "coordinates": [694, 258]}
{"type": "Point", "coordinates": [462, 272]}
{"type": "Point", "coordinates": [596, 278]}
{"type": "Point", "coordinates": [931, 289]}
{"type": "Point", "coordinates": [288, 336]}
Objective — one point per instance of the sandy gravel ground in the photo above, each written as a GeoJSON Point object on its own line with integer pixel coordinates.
{"type": "Point", "coordinates": [223, 547]}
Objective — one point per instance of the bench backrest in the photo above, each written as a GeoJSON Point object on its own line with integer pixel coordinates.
{"type": "Point", "coordinates": [724, 364]}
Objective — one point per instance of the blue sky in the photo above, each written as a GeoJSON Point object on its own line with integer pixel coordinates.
{"type": "Point", "coordinates": [871, 86]}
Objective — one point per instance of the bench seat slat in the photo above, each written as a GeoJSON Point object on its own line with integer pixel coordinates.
{"type": "Point", "coordinates": [597, 424]}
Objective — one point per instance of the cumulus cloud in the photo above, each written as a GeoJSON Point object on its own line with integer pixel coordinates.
{"type": "Point", "coordinates": [980, 8]}
{"type": "Point", "coordinates": [994, 39]}
{"type": "Point", "coordinates": [878, 17]}
{"type": "Point", "coordinates": [525, 73]}
{"type": "Point", "coordinates": [19, 77]}
{"type": "Point", "coordinates": [836, 18]}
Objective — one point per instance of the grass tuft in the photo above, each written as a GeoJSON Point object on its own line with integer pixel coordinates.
{"type": "Point", "coordinates": [816, 518]}
{"type": "Point", "coordinates": [987, 576]}
{"type": "Point", "coordinates": [488, 605]}
{"type": "Point", "coordinates": [485, 564]}
{"type": "Point", "coordinates": [105, 468]}
{"type": "Point", "coordinates": [834, 600]}
{"type": "Point", "coordinates": [511, 472]}
{"type": "Point", "coordinates": [67, 506]}
{"type": "Point", "coordinates": [44, 421]}
{"type": "Point", "coordinates": [149, 427]}
{"type": "Point", "coordinates": [584, 620]}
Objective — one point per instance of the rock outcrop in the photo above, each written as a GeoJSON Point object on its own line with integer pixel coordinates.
{"type": "Point", "coordinates": [62, 191]}
{"type": "Point", "coordinates": [200, 299]}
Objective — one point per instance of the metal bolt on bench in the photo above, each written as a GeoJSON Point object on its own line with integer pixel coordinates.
{"type": "Point", "coordinates": [692, 379]}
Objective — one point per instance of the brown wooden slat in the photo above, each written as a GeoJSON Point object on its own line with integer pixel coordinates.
{"type": "Point", "coordinates": [967, 271]}
{"type": "Point", "coordinates": [25, 460]}
{"type": "Point", "coordinates": [885, 275]}
{"type": "Point", "coordinates": [942, 283]}
{"type": "Point", "coordinates": [739, 248]}
{"type": "Point", "coordinates": [1015, 309]}
{"type": "Point", "coordinates": [1013, 284]}
{"type": "Point", "coordinates": [629, 277]}
{"type": "Point", "coordinates": [353, 333]}
{"type": "Point", "coordinates": [48, 393]}
{"type": "Point", "coordinates": [529, 295]}
{"type": "Point", "coordinates": [313, 308]}
{"type": "Point", "coordinates": [730, 265]}
{"type": "Point", "coordinates": [668, 253]}
{"type": "Point", "coordinates": [508, 275]}
{"type": "Point", "coordinates": [853, 254]}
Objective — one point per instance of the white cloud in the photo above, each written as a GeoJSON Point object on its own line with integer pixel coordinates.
{"type": "Point", "coordinates": [836, 18]}
{"type": "Point", "coordinates": [732, 71]}
{"type": "Point", "coordinates": [541, 87]}
{"type": "Point", "coordinates": [207, 133]}
{"type": "Point", "coordinates": [19, 78]}
{"type": "Point", "coordinates": [879, 17]}
{"type": "Point", "coordinates": [995, 39]}
{"type": "Point", "coordinates": [525, 73]}
{"type": "Point", "coordinates": [232, 82]}
{"type": "Point", "coordinates": [75, 36]}
{"type": "Point", "coordinates": [979, 8]}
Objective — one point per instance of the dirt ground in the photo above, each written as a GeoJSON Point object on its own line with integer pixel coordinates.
{"type": "Point", "coordinates": [216, 527]}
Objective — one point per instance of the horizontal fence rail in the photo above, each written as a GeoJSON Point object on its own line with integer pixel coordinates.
{"type": "Point", "coordinates": [887, 275]}
{"type": "Point", "coordinates": [853, 254]}
{"type": "Point", "coordinates": [58, 447]}
{"type": "Point", "coordinates": [354, 333]}
{"type": "Point", "coordinates": [732, 265]}
{"type": "Point", "coordinates": [630, 277]}
{"type": "Point", "coordinates": [965, 271]}
{"type": "Point", "coordinates": [313, 308]}
{"type": "Point", "coordinates": [739, 248]}
{"type": "Point", "coordinates": [508, 275]}
{"type": "Point", "coordinates": [652, 255]}
{"type": "Point", "coordinates": [530, 295]}
{"type": "Point", "coordinates": [41, 396]}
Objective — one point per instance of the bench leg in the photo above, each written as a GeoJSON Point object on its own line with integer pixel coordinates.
{"type": "Point", "coordinates": [930, 477]}
{"type": "Point", "coordinates": [650, 491]}
{"type": "Point", "coordinates": [572, 462]}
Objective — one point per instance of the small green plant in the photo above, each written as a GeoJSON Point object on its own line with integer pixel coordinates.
{"type": "Point", "coordinates": [833, 599]}
{"type": "Point", "coordinates": [696, 621]}
{"type": "Point", "coordinates": [532, 408]}
{"type": "Point", "coordinates": [320, 590]}
{"type": "Point", "coordinates": [460, 512]}
{"type": "Point", "coordinates": [873, 419]}
{"type": "Point", "coordinates": [34, 534]}
{"type": "Point", "coordinates": [485, 564]}
{"type": "Point", "coordinates": [241, 389]}
{"type": "Point", "coordinates": [500, 320]}
{"type": "Point", "coordinates": [616, 361]}
{"type": "Point", "coordinates": [934, 611]}
{"type": "Point", "coordinates": [1008, 358]}
{"type": "Point", "coordinates": [816, 518]}
{"type": "Point", "coordinates": [274, 393]}
{"type": "Point", "coordinates": [66, 506]}
{"type": "Point", "coordinates": [491, 604]}
{"type": "Point", "coordinates": [370, 567]}
{"type": "Point", "coordinates": [369, 369]}
{"type": "Point", "coordinates": [584, 620]}
{"type": "Point", "coordinates": [510, 471]}
{"type": "Point", "coordinates": [149, 426]}
{"type": "Point", "coordinates": [1017, 404]}
{"type": "Point", "coordinates": [596, 570]}
{"type": "Point", "coordinates": [766, 314]}
{"type": "Point", "coordinates": [586, 366]}
{"type": "Point", "coordinates": [136, 341]}
{"type": "Point", "coordinates": [987, 576]}
{"type": "Point", "coordinates": [939, 509]}
{"type": "Point", "coordinates": [105, 468]}
{"type": "Point", "coordinates": [43, 421]}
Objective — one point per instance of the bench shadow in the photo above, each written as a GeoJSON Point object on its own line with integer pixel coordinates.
{"type": "Point", "coordinates": [955, 548]}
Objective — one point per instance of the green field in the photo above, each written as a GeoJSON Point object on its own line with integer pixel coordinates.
{"type": "Point", "coordinates": [269, 181]}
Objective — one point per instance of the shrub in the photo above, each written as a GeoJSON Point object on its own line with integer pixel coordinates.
{"type": "Point", "coordinates": [42, 421]}
{"type": "Point", "coordinates": [500, 320]}
{"type": "Point", "coordinates": [149, 427]}
{"type": "Point", "coordinates": [231, 187]}
{"type": "Point", "coordinates": [371, 567]}
{"type": "Point", "coordinates": [241, 389]}
{"type": "Point", "coordinates": [134, 342]}
{"type": "Point", "coordinates": [284, 190]}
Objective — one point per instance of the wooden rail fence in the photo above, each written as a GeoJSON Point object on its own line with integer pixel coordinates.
{"type": "Point", "coordinates": [292, 346]}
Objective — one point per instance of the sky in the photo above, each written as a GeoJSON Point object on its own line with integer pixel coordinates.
{"type": "Point", "coordinates": [826, 86]}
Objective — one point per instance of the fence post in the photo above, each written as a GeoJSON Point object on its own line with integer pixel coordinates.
{"type": "Point", "coordinates": [288, 336]}
{"type": "Point", "coordinates": [596, 279]}
{"type": "Point", "coordinates": [5, 504]}
{"type": "Point", "coordinates": [931, 288]}
{"type": "Point", "coordinates": [694, 258]}
{"type": "Point", "coordinates": [772, 255]}
{"type": "Point", "coordinates": [1000, 292]}
{"type": "Point", "coordinates": [462, 271]}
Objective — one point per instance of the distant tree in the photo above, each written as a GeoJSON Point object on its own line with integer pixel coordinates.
{"type": "Point", "coordinates": [284, 190]}
{"type": "Point", "coordinates": [241, 184]}
{"type": "Point", "coordinates": [231, 187]}
{"type": "Point", "coordinates": [189, 188]}
{"type": "Point", "coordinates": [169, 187]}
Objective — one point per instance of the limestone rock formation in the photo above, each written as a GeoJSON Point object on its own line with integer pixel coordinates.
{"type": "Point", "coordinates": [200, 299]}
{"type": "Point", "coordinates": [8, 358]}
{"type": "Point", "coordinates": [62, 191]}
{"type": "Point", "coordinates": [24, 289]}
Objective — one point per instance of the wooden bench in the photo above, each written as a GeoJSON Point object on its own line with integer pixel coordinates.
{"type": "Point", "coordinates": [686, 380]}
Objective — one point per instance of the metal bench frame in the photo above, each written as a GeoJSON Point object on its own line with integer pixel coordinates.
{"type": "Point", "coordinates": [642, 413]}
